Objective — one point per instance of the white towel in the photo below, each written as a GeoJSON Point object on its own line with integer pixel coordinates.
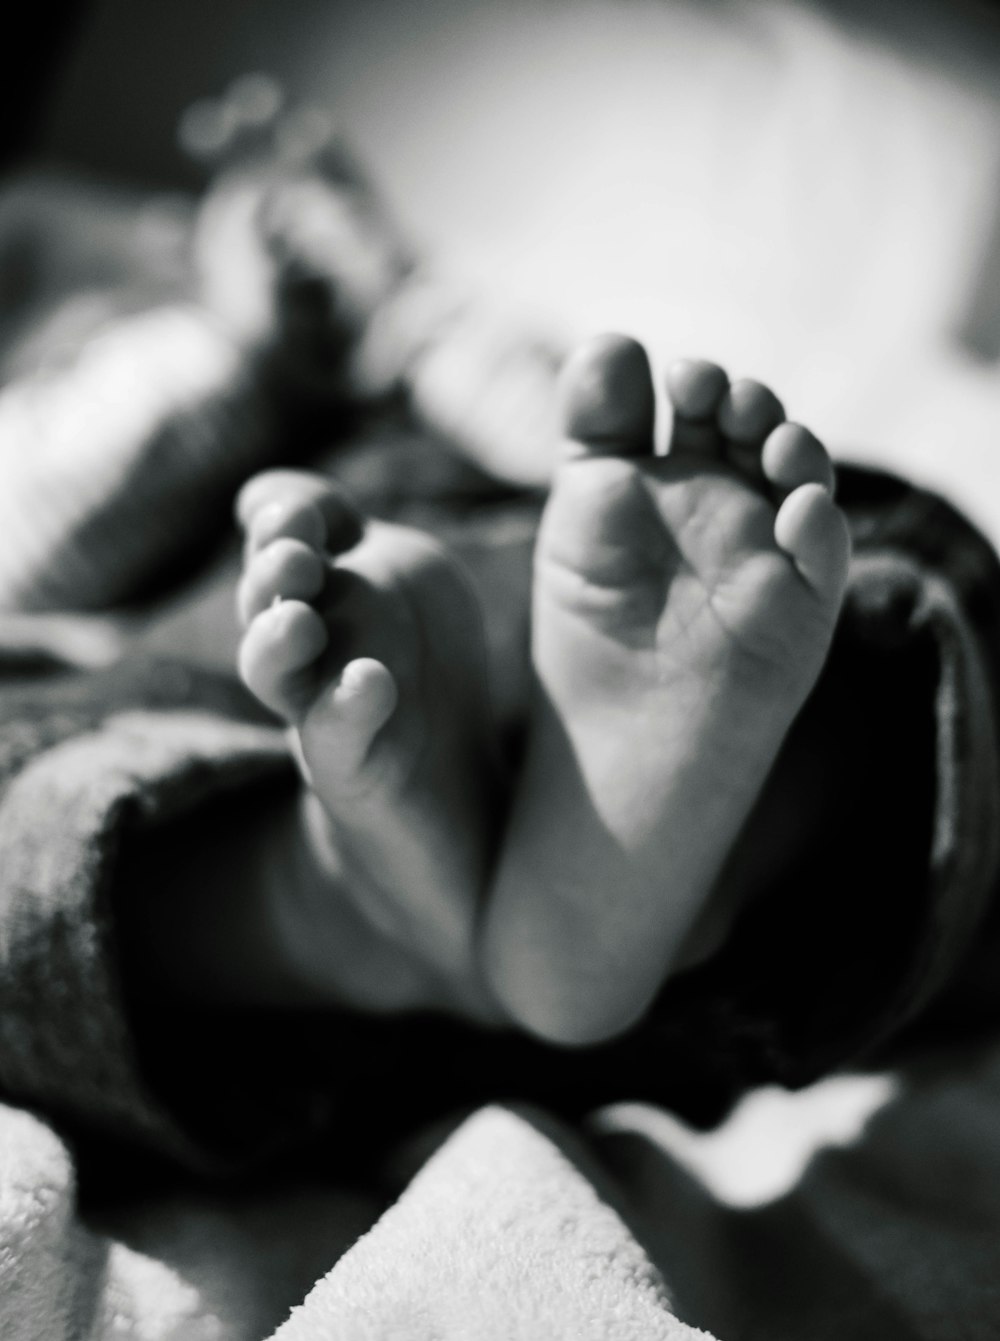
{"type": "Point", "coordinates": [498, 1238]}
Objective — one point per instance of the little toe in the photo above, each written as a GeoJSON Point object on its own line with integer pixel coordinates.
{"type": "Point", "coordinates": [812, 531]}
{"type": "Point", "coordinates": [286, 569]}
{"type": "Point", "coordinates": [280, 645]}
{"type": "Point", "coordinates": [608, 402]}
{"type": "Point", "coordinates": [340, 727]}
{"type": "Point", "coordinates": [748, 412]}
{"type": "Point", "coordinates": [792, 456]}
{"type": "Point", "coordinates": [696, 389]}
{"type": "Point", "coordinates": [297, 503]}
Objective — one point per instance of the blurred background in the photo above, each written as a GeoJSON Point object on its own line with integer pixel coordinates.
{"type": "Point", "coordinates": [808, 192]}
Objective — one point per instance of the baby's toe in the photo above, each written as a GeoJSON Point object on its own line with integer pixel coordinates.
{"type": "Point", "coordinates": [812, 531]}
{"type": "Point", "coordinates": [286, 569]}
{"type": "Point", "coordinates": [339, 728]}
{"type": "Point", "coordinates": [696, 389]}
{"type": "Point", "coordinates": [269, 486]}
{"type": "Point", "coordinates": [793, 456]}
{"type": "Point", "coordinates": [608, 402]}
{"type": "Point", "coordinates": [278, 651]}
{"type": "Point", "coordinates": [298, 504]}
{"type": "Point", "coordinates": [748, 413]}
{"type": "Point", "coordinates": [285, 519]}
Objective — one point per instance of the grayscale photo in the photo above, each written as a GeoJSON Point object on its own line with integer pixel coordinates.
{"type": "Point", "coordinates": [500, 671]}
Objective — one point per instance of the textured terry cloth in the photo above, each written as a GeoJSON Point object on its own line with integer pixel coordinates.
{"type": "Point", "coordinates": [499, 1237]}
{"type": "Point", "coordinates": [176, 1266]}
{"type": "Point", "coordinates": [59, 1281]}
{"type": "Point", "coordinates": [889, 1233]}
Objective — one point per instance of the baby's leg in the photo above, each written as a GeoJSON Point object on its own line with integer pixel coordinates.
{"type": "Point", "coordinates": [367, 640]}
{"type": "Point", "coordinates": [683, 607]}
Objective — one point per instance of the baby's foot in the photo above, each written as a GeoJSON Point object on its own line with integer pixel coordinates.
{"type": "Point", "coordinates": [683, 607]}
{"type": "Point", "coordinates": [367, 640]}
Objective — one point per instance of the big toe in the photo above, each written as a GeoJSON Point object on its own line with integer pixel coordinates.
{"type": "Point", "coordinates": [300, 505]}
{"type": "Point", "coordinates": [608, 402]}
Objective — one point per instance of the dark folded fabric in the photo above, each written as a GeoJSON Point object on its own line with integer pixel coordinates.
{"type": "Point", "coordinates": [88, 761]}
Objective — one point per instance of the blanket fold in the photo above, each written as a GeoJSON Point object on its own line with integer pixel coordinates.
{"type": "Point", "coordinates": [500, 1237]}
{"type": "Point", "coordinates": [82, 767]}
